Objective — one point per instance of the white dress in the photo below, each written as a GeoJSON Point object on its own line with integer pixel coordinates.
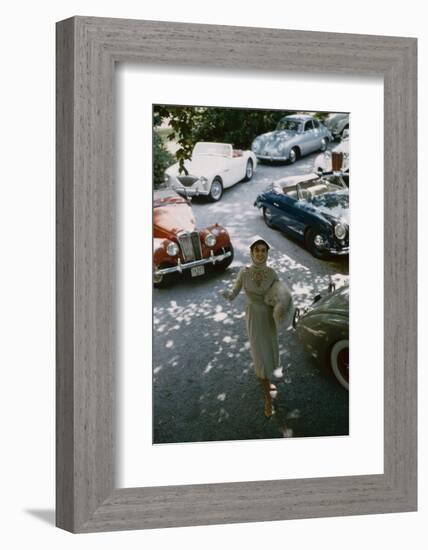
{"type": "Point", "coordinates": [261, 328]}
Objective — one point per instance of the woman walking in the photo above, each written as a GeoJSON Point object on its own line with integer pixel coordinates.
{"type": "Point", "coordinates": [258, 280]}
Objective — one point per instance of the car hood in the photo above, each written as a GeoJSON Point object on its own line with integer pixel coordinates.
{"type": "Point", "coordinates": [170, 216]}
{"type": "Point", "coordinates": [276, 135]}
{"type": "Point", "coordinates": [335, 302]}
{"type": "Point", "coordinates": [203, 165]}
{"type": "Point", "coordinates": [333, 206]}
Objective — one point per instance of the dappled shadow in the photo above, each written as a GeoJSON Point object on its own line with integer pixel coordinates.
{"type": "Point", "coordinates": [204, 387]}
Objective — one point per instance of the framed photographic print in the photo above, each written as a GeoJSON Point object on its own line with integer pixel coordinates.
{"type": "Point", "coordinates": [198, 164]}
{"type": "Point", "coordinates": [207, 229]}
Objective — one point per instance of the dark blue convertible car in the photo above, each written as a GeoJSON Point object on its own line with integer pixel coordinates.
{"type": "Point", "coordinates": [312, 209]}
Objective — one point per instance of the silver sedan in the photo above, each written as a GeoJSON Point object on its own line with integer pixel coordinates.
{"type": "Point", "coordinates": [295, 136]}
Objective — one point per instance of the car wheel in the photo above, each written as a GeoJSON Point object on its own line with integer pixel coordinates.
{"type": "Point", "coordinates": [216, 190]}
{"type": "Point", "coordinates": [315, 243]}
{"type": "Point", "coordinates": [267, 216]}
{"type": "Point", "coordinates": [294, 155]}
{"type": "Point", "coordinates": [164, 281]}
{"type": "Point", "coordinates": [339, 362]}
{"type": "Point", "coordinates": [249, 170]}
{"type": "Point", "coordinates": [222, 266]}
{"type": "Point", "coordinates": [323, 144]}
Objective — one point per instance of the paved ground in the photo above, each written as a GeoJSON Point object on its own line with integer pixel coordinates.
{"type": "Point", "coordinates": [204, 387]}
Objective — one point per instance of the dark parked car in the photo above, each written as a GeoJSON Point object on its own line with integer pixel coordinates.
{"type": "Point", "coordinates": [323, 329]}
{"type": "Point", "coordinates": [310, 208]}
{"type": "Point", "coordinates": [295, 136]}
{"type": "Point", "coordinates": [179, 247]}
{"type": "Point", "coordinates": [337, 123]}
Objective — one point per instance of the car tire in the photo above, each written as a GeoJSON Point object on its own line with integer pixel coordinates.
{"type": "Point", "coordinates": [222, 266]}
{"type": "Point", "coordinates": [164, 281]}
{"type": "Point", "coordinates": [323, 145]}
{"type": "Point", "coordinates": [216, 190]}
{"type": "Point", "coordinates": [267, 216]}
{"type": "Point", "coordinates": [294, 155]}
{"type": "Point", "coordinates": [339, 362]}
{"type": "Point", "coordinates": [249, 170]}
{"type": "Point", "coordinates": [313, 244]}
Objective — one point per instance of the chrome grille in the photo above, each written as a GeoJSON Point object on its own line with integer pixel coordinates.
{"type": "Point", "coordinates": [190, 245]}
{"type": "Point", "coordinates": [187, 181]}
{"type": "Point", "coordinates": [196, 242]}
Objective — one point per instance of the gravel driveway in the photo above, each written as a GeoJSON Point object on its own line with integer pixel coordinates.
{"type": "Point", "coordinates": [204, 388]}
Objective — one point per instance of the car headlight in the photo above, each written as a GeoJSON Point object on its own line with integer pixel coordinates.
{"type": "Point", "coordinates": [203, 180]}
{"type": "Point", "coordinates": [172, 249]}
{"type": "Point", "coordinates": [255, 145]}
{"type": "Point", "coordinates": [340, 231]}
{"type": "Point", "coordinates": [166, 177]}
{"type": "Point", "coordinates": [210, 240]}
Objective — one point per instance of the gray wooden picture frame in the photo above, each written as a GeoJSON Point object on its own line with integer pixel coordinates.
{"type": "Point", "coordinates": [87, 51]}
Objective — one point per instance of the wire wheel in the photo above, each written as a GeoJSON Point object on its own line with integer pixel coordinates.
{"type": "Point", "coordinates": [216, 190]}
{"type": "Point", "coordinates": [249, 170]}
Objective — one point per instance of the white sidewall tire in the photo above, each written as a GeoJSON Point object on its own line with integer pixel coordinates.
{"type": "Point", "coordinates": [218, 190]}
{"type": "Point", "coordinates": [334, 354]}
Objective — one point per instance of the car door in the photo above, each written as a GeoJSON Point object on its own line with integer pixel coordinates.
{"type": "Point", "coordinates": [308, 139]}
{"type": "Point", "coordinates": [287, 215]}
{"type": "Point", "coordinates": [318, 135]}
{"type": "Point", "coordinates": [237, 170]}
{"type": "Point", "coordinates": [231, 169]}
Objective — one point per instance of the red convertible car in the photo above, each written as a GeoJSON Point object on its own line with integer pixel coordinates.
{"type": "Point", "coordinates": [179, 247]}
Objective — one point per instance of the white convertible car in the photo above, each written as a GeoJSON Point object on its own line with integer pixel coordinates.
{"type": "Point", "coordinates": [212, 168]}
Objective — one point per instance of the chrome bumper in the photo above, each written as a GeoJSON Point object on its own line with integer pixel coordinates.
{"type": "Point", "coordinates": [271, 158]}
{"type": "Point", "coordinates": [339, 251]}
{"type": "Point", "coordinates": [190, 192]}
{"type": "Point", "coordinates": [180, 267]}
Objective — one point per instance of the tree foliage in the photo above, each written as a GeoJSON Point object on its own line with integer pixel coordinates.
{"type": "Point", "coordinates": [236, 126]}
{"type": "Point", "coordinates": [162, 158]}
{"type": "Point", "coordinates": [182, 121]}
{"type": "Point", "coordinates": [225, 125]}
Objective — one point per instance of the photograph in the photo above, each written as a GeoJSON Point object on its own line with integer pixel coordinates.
{"type": "Point", "coordinates": [251, 244]}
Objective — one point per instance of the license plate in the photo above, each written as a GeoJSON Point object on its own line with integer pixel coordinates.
{"type": "Point", "coordinates": [198, 270]}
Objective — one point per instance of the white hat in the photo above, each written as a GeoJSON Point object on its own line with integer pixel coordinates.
{"type": "Point", "coordinates": [257, 239]}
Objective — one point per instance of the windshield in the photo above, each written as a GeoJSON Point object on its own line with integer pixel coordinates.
{"type": "Point", "coordinates": [335, 180]}
{"type": "Point", "coordinates": [332, 200]}
{"type": "Point", "coordinates": [288, 124]}
{"type": "Point", "coordinates": [217, 149]}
